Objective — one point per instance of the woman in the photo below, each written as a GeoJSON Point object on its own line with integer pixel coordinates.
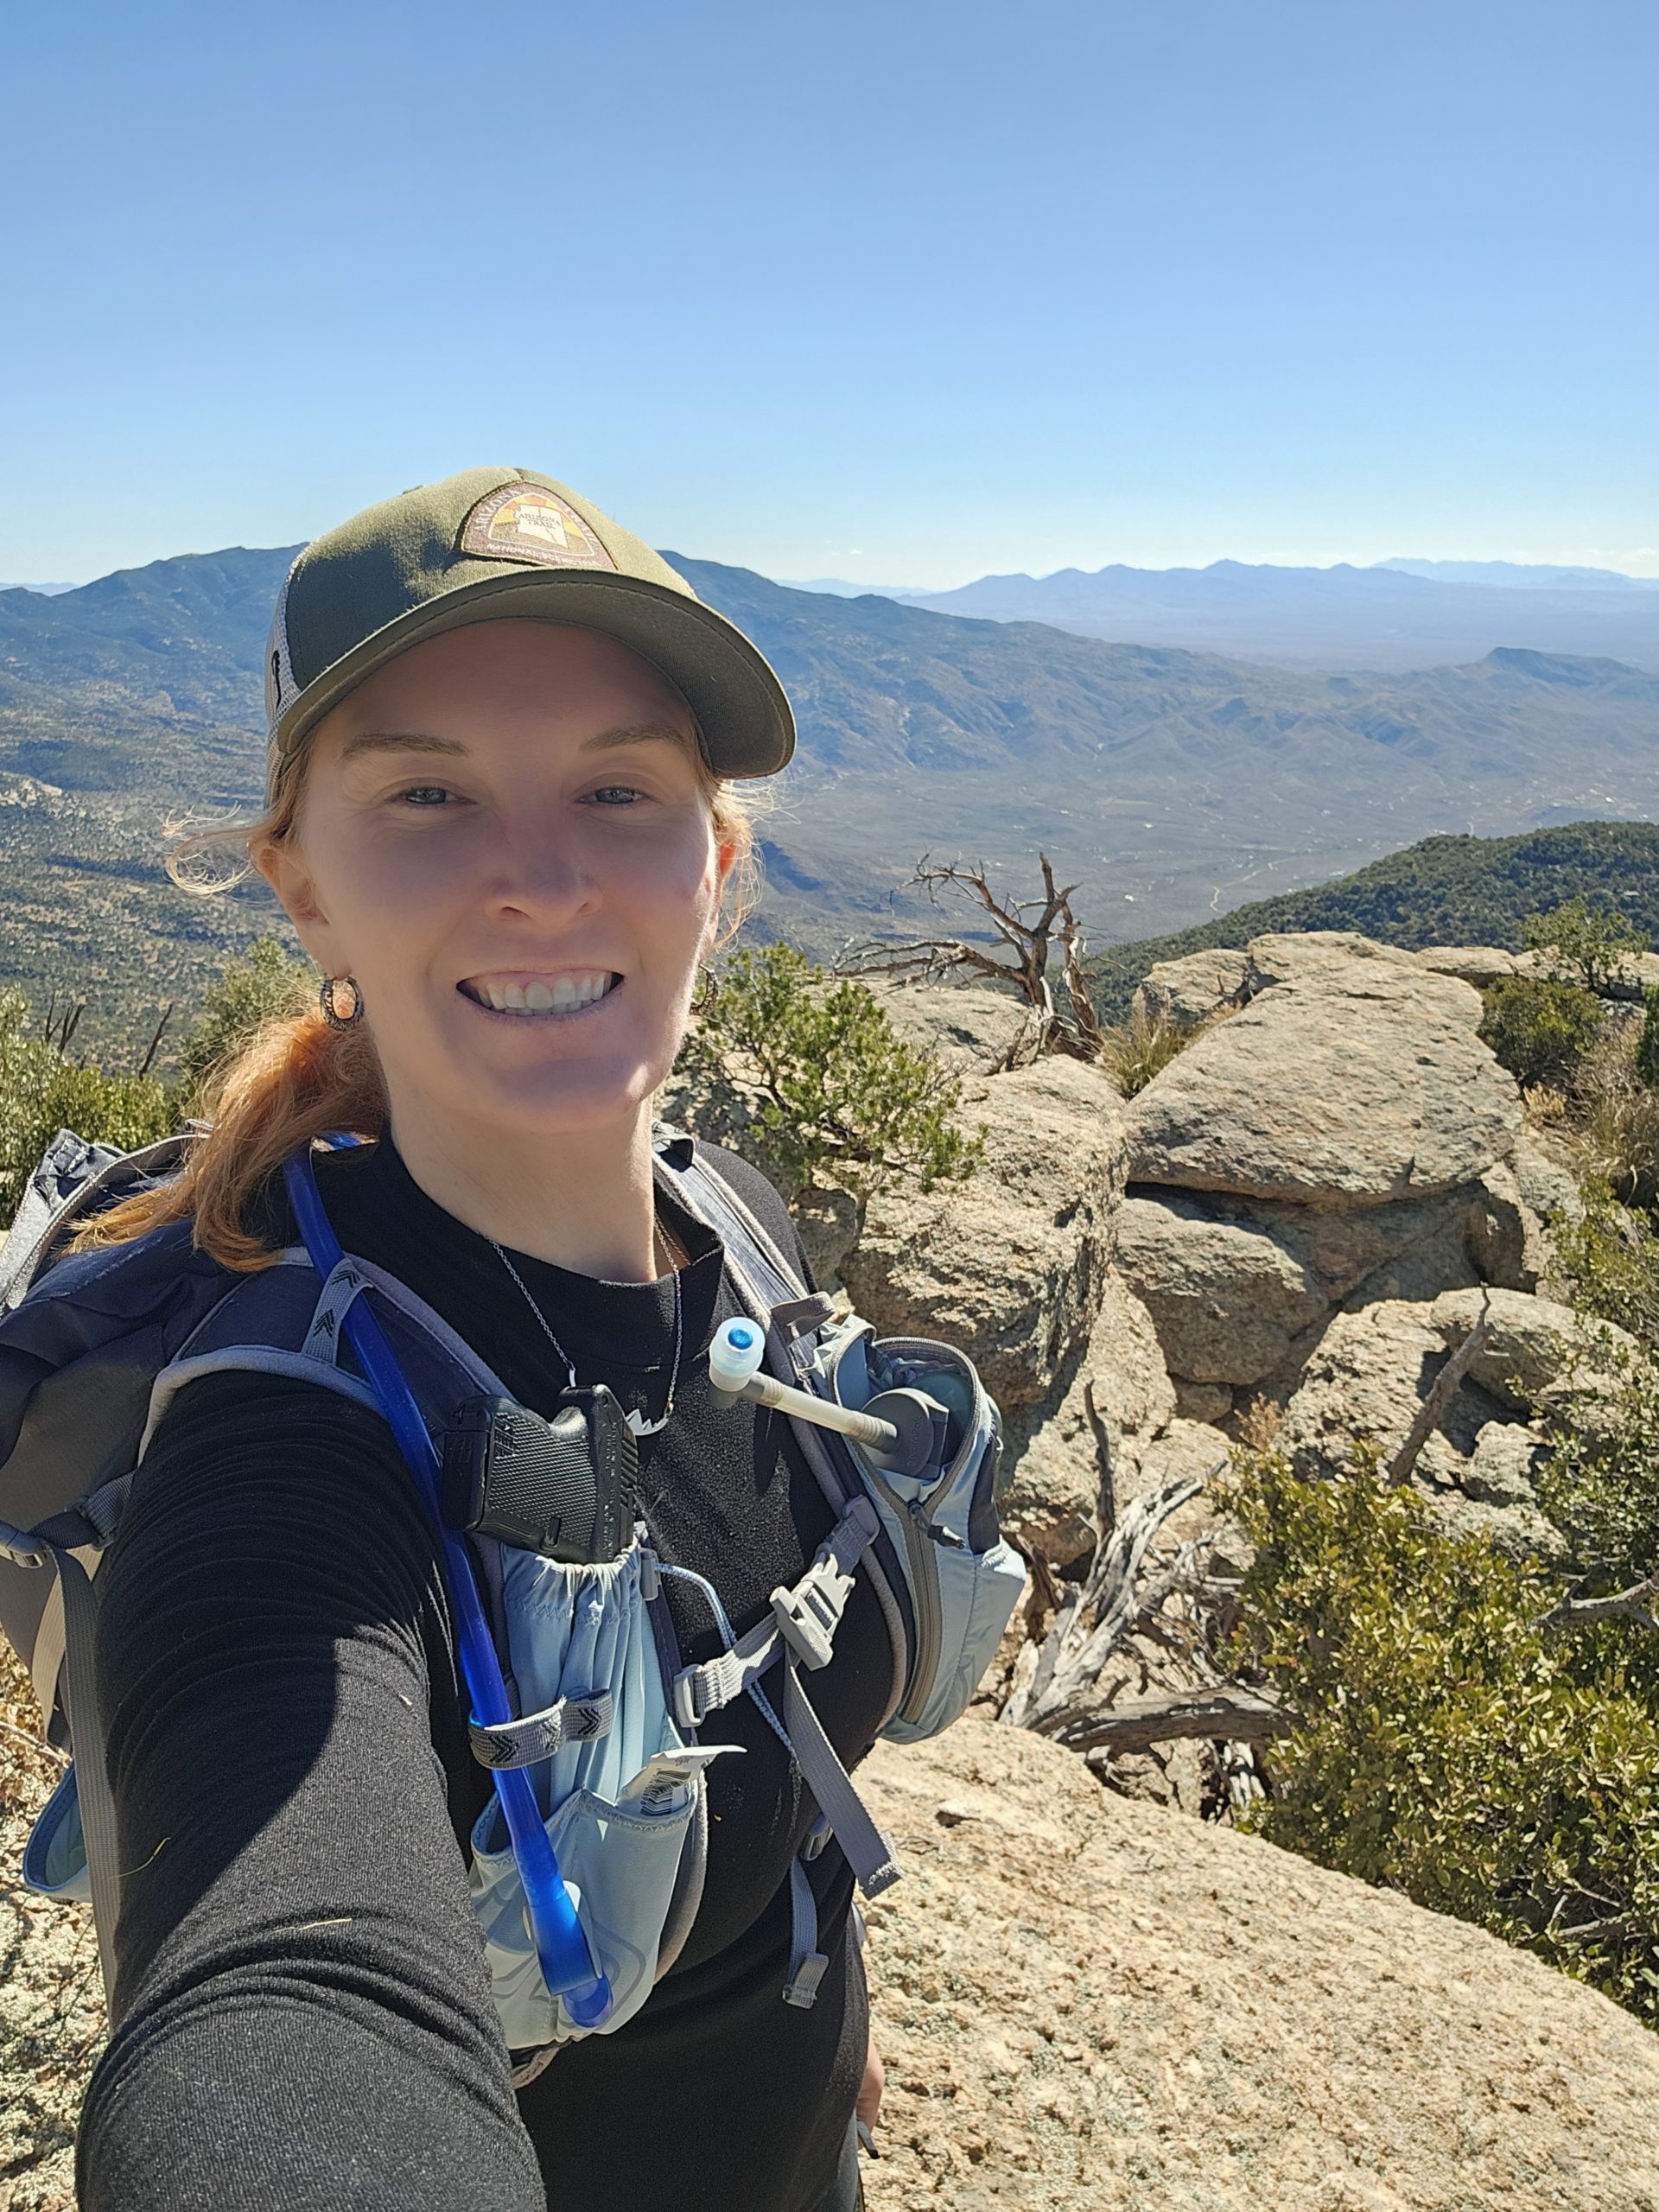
{"type": "Point", "coordinates": [501, 819]}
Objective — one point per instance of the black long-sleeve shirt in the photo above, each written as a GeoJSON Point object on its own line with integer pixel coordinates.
{"type": "Point", "coordinates": [307, 2021]}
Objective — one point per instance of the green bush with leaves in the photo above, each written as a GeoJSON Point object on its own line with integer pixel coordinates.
{"type": "Point", "coordinates": [263, 985]}
{"type": "Point", "coordinates": [1607, 1254]}
{"type": "Point", "coordinates": [1541, 1031]}
{"type": "Point", "coordinates": [42, 1091]}
{"type": "Point", "coordinates": [1600, 1482]}
{"type": "Point", "coordinates": [837, 1095]}
{"type": "Point", "coordinates": [1449, 1746]}
{"type": "Point", "coordinates": [1595, 947]}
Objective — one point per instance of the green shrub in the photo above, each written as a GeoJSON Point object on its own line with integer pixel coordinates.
{"type": "Point", "coordinates": [1448, 1747]}
{"type": "Point", "coordinates": [837, 1093]}
{"type": "Point", "coordinates": [265, 985]}
{"type": "Point", "coordinates": [1608, 1258]}
{"type": "Point", "coordinates": [1593, 947]}
{"type": "Point", "coordinates": [1612, 1117]}
{"type": "Point", "coordinates": [1541, 1031]}
{"type": "Point", "coordinates": [41, 1091]}
{"type": "Point", "coordinates": [1600, 1482]}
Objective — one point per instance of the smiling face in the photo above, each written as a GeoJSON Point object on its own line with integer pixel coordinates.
{"type": "Point", "coordinates": [505, 836]}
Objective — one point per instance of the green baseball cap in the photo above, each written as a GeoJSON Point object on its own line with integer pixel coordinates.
{"type": "Point", "coordinates": [493, 542]}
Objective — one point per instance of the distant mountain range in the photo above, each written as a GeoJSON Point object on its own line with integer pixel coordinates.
{"type": "Point", "coordinates": [1403, 614]}
{"type": "Point", "coordinates": [841, 588]}
{"type": "Point", "coordinates": [1522, 575]}
{"type": "Point", "coordinates": [1504, 575]}
{"type": "Point", "coordinates": [1168, 784]}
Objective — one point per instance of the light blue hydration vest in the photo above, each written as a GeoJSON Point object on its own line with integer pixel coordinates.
{"type": "Point", "coordinates": [604, 1718]}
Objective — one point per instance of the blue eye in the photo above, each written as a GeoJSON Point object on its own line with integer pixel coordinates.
{"type": "Point", "coordinates": [617, 794]}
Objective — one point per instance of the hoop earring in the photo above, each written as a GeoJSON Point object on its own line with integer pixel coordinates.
{"type": "Point", "coordinates": [332, 1013]}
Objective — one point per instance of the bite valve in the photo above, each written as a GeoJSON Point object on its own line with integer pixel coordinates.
{"type": "Point", "coordinates": [900, 1429]}
{"type": "Point", "coordinates": [734, 1357]}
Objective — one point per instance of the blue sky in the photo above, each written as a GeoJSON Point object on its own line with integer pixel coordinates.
{"type": "Point", "coordinates": [907, 291]}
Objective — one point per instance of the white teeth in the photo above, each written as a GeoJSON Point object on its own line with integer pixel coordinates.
{"type": "Point", "coordinates": [566, 994]}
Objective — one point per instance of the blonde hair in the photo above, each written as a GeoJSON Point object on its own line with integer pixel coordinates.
{"type": "Point", "coordinates": [298, 1075]}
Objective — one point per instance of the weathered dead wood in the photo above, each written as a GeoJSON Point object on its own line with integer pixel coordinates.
{"type": "Point", "coordinates": [1635, 1603]}
{"type": "Point", "coordinates": [155, 1042]}
{"type": "Point", "coordinates": [1106, 1492]}
{"type": "Point", "coordinates": [1029, 929]}
{"type": "Point", "coordinates": [1589, 1931]}
{"type": "Point", "coordinates": [1433, 1410]}
{"type": "Point", "coordinates": [1225, 1713]}
{"type": "Point", "coordinates": [1101, 1610]}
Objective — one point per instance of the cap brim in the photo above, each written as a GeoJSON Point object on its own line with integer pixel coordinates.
{"type": "Point", "coordinates": [745, 718]}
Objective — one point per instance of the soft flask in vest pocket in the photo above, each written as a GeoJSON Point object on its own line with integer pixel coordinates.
{"type": "Point", "coordinates": [622, 1795]}
{"type": "Point", "coordinates": [964, 1579]}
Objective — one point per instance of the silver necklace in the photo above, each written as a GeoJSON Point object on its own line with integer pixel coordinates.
{"type": "Point", "coordinates": [635, 1419]}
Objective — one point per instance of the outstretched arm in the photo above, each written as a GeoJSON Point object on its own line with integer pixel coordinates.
{"type": "Point", "coordinates": [305, 2018]}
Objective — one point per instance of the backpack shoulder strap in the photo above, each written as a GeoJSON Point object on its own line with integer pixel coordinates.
{"type": "Point", "coordinates": [772, 1291]}
{"type": "Point", "coordinates": [72, 1179]}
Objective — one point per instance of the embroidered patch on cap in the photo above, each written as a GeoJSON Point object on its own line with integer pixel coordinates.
{"type": "Point", "coordinates": [522, 522]}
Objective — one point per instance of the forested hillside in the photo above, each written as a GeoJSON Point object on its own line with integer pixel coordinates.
{"type": "Point", "coordinates": [1444, 891]}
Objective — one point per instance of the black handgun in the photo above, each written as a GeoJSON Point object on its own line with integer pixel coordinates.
{"type": "Point", "coordinates": [563, 1487]}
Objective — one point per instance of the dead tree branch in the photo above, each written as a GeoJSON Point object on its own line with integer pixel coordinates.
{"type": "Point", "coordinates": [1589, 1931]}
{"type": "Point", "coordinates": [1075, 1650]}
{"type": "Point", "coordinates": [1635, 1603]}
{"type": "Point", "coordinates": [155, 1042]}
{"type": "Point", "coordinates": [1030, 930]}
{"type": "Point", "coordinates": [1433, 1410]}
{"type": "Point", "coordinates": [1225, 1713]}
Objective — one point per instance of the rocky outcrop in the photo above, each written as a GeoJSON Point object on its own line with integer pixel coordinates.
{"type": "Point", "coordinates": [1229, 1294]}
{"type": "Point", "coordinates": [1011, 1265]}
{"type": "Point", "coordinates": [1117, 1399]}
{"type": "Point", "coordinates": [1341, 1139]}
{"type": "Point", "coordinates": [967, 1028]}
{"type": "Point", "coordinates": [1087, 2003]}
{"type": "Point", "coordinates": [1535, 1349]}
{"type": "Point", "coordinates": [1360, 1082]}
{"type": "Point", "coordinates": [1183, 994]}
{"type": "Point", "coordinates": [1480, 964]}
{"type": "Point", "coordinates": [1368, 1378]}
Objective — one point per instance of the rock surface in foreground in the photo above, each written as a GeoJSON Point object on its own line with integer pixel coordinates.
{"type": "Point", "coordinates": [1084, 2003]}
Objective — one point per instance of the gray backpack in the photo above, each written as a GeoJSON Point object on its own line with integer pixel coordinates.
{"type": "Point", "coordinates": [596, 1837]}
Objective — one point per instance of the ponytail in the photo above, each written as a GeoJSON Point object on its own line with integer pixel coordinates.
{"type": "Point", "coordinates": [296, 1079]}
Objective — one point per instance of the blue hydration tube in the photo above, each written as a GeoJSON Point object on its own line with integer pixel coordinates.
{"type": "Point", "coordinates": [568, 1966]}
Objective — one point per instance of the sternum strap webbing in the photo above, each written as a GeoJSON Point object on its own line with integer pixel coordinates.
{"type": "Point", "coordinates": [804, 1622]}
{"type": "Point", "coordinates": [867, 1851]}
